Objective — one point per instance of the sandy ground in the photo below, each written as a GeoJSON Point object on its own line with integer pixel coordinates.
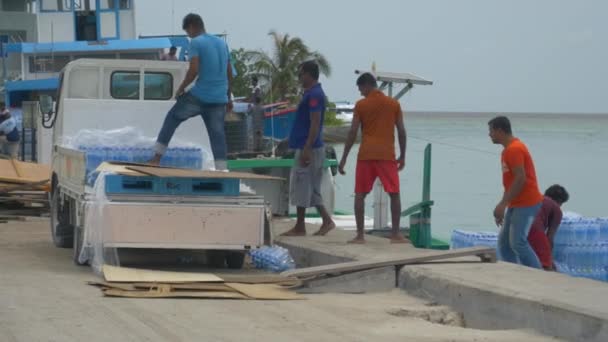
{"type": "Point", "coordinates": [43, 297]}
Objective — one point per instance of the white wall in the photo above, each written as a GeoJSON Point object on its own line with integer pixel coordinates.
{"type": "Point", "coordinates": [63, 27]}
{"type": "Point", "coordinates": [127, 25]}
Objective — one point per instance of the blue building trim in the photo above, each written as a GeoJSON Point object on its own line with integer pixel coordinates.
{"type": "Point", "coordinates": [82, 46]}
{"type": "Point", "coordinates": [28, 85]}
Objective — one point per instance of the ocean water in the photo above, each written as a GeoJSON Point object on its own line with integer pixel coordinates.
{"type": "Point", "coordinates": [466, 181]}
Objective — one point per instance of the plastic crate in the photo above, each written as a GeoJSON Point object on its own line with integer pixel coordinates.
{"type": "Point", "coordinates": [147, 185]}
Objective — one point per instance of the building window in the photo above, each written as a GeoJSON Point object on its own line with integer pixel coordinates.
{"type": "Point", "coordinates": [14, 6]}
{"type": "Point", "coordinates": [124, 4]}
{"type": "Point", "coordinates": [59, 5]}
{"type": "Point", "coordinates": [48, 64]}
{"type": "Point", "coordinates": [157, 85]}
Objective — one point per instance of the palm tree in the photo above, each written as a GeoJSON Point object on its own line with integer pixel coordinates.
{"type": "Point", "coordinates": [279, 70]}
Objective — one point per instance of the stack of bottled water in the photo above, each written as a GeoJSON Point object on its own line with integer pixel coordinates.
{"type": "Point", "coordinates": [275, 259]}
{"type": "Point", "coordinates": [581, 248]}
{"type": "Point", "coordinates": [182, 157]}
{"type": "Point", "coordinates": [462, 239]}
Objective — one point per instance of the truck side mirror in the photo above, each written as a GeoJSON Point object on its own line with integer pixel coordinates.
{"type": "Point", "coordinates": [46, 104]}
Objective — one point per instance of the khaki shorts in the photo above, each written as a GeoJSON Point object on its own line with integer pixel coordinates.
{"type": "Point", "coordinates": [10, 148]}
{"type": "Point", "coordinates": [305, 182]}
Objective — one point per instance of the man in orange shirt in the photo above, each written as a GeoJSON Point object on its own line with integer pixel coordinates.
{"type": "Point", "coordinates": [378, 115]}
{"type": "Point", "coordinates": [522, 198]}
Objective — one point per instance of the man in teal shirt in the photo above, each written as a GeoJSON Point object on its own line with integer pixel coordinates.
{"type": "Point", "coordinates": [209, 97]}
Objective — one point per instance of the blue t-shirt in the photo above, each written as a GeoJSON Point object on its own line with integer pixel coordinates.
{"type": "Point", "coordinates": [313, 100]}
{"type": "Point", "coordinates": [9, 128]}
{"type": "Point", "coordinates": [212, 83]}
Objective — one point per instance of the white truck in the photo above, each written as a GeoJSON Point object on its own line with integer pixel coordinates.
{"type": "Point", "coordinates": [111, 94]}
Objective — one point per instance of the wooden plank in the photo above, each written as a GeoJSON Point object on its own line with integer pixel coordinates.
{"type": "Point", "coordinates": [174, 294]}
{"type": "Point", "coordinates": [125, 275]}
{"type": "Point", "coordinates": [261, 279]}
{"type": "Point", "coordinates": [41, 185]}
{"type": "Point", "coordinates": [189, 173]}
{"type": "Point", "coordinates": [485, 253]}
{"type": "Point", "coordinates": [265, 291]}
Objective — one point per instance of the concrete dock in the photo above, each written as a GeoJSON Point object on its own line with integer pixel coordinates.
{"type": "Point", "coordinates": [43, 297]}
{"type": "Point", "coordinates": [489, 295]}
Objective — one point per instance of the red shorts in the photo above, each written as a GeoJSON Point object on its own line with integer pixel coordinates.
{"type": "Point", "coordinates": [541, 246]}
{"type": "Point", "coordinates": [369, 170]}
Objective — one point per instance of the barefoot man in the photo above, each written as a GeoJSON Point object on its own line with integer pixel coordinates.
{"type": "Point", "coordinates": [378, 115]}
{"type": "Point", "coordinates": [306, 139]}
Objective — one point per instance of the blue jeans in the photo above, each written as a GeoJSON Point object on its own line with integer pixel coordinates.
{"type": "Point", "coordinates": [187, 106]}
{"type": "Point", "coordinates": [513, 245]}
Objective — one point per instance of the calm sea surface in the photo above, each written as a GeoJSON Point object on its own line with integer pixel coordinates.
{"type": "Point", "coordinates": [568, 149]}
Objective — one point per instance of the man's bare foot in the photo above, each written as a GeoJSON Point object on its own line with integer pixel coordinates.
{"type": "Point", "coordinates": [398, 238]}
{"type": "Point", "coordinates": [325, 228]}
{"type": "Point", "coordinates": [358, 240]}
{"type": "Point", "coordinates": [298, 230]}
{"type": "Point", "coordinates": [155, 160]}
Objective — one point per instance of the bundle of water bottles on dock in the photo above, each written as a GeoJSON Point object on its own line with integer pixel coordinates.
{"type": "Point", "coordinates": [463, 239]}
{"type": "Point", "coordinates": [274, 259]}
{"type": "Point", "coordinates": [581, 248]}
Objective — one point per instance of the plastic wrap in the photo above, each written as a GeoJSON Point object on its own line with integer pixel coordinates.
{"type": "Point", "coordinates": [131, 138]}
{"type": "Point", "coordinates": [94, 222]}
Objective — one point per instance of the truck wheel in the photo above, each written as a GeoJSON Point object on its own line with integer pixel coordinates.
{"type": "Point", "coordinates": [216, 259]}
{"type": "Point", "coordinates": [78, 246]}
{"type": "Point", "coordinates": [61, 231]}
{"type": "Point", "coordinates": [235, 260]}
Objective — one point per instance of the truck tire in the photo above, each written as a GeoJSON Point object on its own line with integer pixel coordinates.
{"type": "Point", "coordinates": [61, 231]}
{"type": "Point", "coordinates": [235, 260]}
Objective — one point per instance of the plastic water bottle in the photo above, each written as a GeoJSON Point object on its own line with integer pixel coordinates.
{"type": "Point", "coordinates": [603, 223]}
{"type": "Point", "coordinates": [580, 230]}
{"type": "Point", "coordinates": [593, 230]}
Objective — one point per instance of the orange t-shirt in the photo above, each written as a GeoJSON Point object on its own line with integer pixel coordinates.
{"type": "Point", "coordinates": [378, 115]}
{"type": "Point", "coordinates": [514, 155]}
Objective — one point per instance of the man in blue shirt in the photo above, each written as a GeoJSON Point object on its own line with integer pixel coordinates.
{"type": "Point", "coordinates": [306, 139]}
{"type": "Point", "coordinates": [9, 134]}
{"type": "Point", "coordinates": [209, 97]}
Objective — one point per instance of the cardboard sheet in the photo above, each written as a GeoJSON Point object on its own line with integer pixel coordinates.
{"type": "Point", "coordinates": [14, 171]}
{"type": "Point", "coordinates": [189, 173]}
{"type": "Point", "coordinates": [134, 275]}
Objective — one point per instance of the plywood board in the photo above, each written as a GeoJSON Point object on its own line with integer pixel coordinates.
{"type": "Point", "coordinates": [14, 171]}
{"type": "Point", "coordinates": [174, 294]}
{"type": "Point", "coordinates": [124, 274]}
{"type": "Point", "coordinates": [189, 173]}
{"type": "Point", "coordinates": [265, 291]}
{"type": "Point", "coordinates": [485, 253]}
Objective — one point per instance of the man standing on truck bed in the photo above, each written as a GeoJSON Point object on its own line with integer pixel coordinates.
{"type": "Point", "coordinates": [210, 97]}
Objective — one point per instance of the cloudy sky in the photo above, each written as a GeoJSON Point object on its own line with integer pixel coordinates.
{"type": "Point", "coordinates": [483, 55]}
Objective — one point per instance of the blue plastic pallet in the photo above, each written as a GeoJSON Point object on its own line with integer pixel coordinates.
{"type": "Point", "coordinates": [148, 185]}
